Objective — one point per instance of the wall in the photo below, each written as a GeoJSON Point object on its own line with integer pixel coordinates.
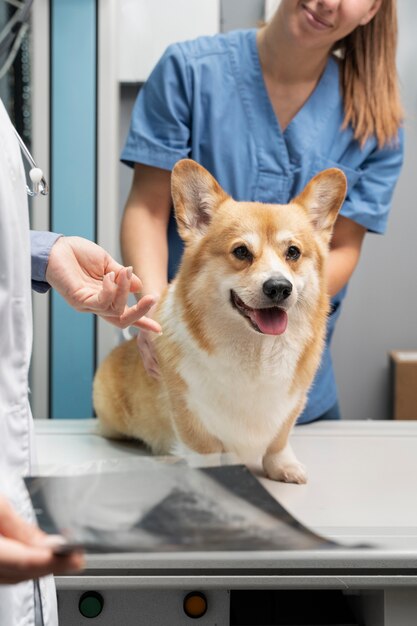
{"type": "Point", "coordinates": [380, 313]}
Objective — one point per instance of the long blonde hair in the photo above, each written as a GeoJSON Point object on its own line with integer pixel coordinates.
{"type": "Point", "coordinates": [369, 77]}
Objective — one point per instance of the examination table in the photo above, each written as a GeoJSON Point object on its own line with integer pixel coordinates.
{"type": "Point", "coordinates": [361, 491]}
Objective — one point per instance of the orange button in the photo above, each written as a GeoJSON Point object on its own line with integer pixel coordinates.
{"type": "Point", "coordinates": [195, 604]}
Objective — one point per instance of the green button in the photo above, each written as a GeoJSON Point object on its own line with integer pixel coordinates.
{"type": "Point", "coordinates": [91, 604]}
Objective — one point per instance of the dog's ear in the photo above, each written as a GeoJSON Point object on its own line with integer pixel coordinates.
{"type": "Point", "coordinates": [322, 199]}
{"type": "Point", "coordinates": [196, 195]}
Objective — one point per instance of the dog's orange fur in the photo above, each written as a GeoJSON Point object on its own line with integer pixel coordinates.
{"type": "Point", "coordinates": [226, 386]}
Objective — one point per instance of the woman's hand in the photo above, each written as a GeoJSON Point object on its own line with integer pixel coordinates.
{"type": "Point", "coordinates": [90, 280]}
{"type": "Point", "coordinates": [26, 552]}
{"type": "Point", "coordinates": [148, 353]}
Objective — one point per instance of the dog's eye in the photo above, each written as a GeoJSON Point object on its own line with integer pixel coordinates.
{"type": "Point", "coordinates": [293, 253]}
{"type": "Point", "coordinates": [243, 253]}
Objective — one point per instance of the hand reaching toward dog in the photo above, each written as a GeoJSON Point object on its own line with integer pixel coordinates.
{"type": "Point", "coordinates": [90, 280]}
{"type": "Point", "coordinates": [148, 353]}
{"type": "Point", "coordinates": [26, 552]}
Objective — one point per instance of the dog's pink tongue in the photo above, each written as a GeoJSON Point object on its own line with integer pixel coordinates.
{"type": "Point", "coordinates": [270, 321]}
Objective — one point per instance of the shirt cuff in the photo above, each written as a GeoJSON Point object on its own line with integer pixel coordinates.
{"type": "Point", "coordinates": [41, 243]}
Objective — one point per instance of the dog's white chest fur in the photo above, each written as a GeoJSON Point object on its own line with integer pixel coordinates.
{"type": "Point", "coordinates": [242, 410]}
{"type": "Point", "coordinates": [241, 400]}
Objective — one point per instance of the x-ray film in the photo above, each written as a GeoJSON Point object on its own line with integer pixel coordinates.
{"type": "Point", "coordinates": [165, 507]}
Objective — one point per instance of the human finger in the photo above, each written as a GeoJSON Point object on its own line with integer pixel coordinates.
{"type": "Point", "coordinates": [105, 296]}
{"type": "Point", "coordinates": [136, 285]}
{"type": "Point", "coordinates": [149, 362]}
{"type": "Point", "coordinates": [152, 370]}
{"type": "Point", "coordinates": [148, 354]}
{"type": "Point", "coordinates": [14, 527]}
{"type": "Point", "coordinates": [20, 562]}
{"type": "Point", "coordinates": [114, 266]}
{"type": "Point", "coordinates": [145, 348]}
{"type": "Point", "coordinates": [147, 323]}
{"type": "Point", "coordinates": [134, 313]}
{"type": "Point", "coordinates": [154, 373]}
{"type": "Point", "coordinates": [122, 290]}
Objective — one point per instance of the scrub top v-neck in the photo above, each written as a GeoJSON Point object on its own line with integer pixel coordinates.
{"type": "Point", "coordinates": [206, 99]}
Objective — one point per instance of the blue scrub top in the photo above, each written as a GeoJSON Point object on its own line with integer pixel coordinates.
{"type": "Point", "coordinates": [206, 100]}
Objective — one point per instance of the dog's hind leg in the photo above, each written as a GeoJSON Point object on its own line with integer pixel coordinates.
{"type": "Point", "coordinates": [279, 461]}
{"type": "Point", "coordinates": [107, 431]}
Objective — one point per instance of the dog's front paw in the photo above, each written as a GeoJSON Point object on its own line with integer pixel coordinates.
{"type": "Point", "coordinates": [285, 471]}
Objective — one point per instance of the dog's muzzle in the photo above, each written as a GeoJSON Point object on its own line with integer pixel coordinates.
{"type": "Point", "coordinates": [271, 320]}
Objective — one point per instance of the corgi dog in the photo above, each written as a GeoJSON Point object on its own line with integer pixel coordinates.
{"type": "Point", "coordinates": [243, 327]}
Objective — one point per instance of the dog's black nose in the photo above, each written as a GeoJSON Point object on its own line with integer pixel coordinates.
{"type": "Point", "coordinates": [277, 289]}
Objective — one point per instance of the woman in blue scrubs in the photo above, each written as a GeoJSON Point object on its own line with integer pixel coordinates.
{"type": "Point", "coordinates": [264, 111]}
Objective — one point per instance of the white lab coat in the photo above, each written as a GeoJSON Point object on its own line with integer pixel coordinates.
{"type": "Point", "coordinates": [16, 435]}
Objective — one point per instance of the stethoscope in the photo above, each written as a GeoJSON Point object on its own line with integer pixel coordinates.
{"type": "Point", "coordinates": [10, 39]}
{"type": "Point", "coordinates": [39, 184]}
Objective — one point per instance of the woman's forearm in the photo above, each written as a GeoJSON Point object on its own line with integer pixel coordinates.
{"type": "Point", "coordinates": [345, 250]}
{"type": "Point", "coordinates": [145, 247]}
{"type": "Point", "coordinates": [144, 242]}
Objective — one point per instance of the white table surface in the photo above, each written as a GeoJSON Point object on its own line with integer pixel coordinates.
{"type": "Point", "coordinates": [362, 488]}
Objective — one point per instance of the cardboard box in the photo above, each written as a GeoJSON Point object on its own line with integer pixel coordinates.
{"type": "Point", "coordinates": [404, 384]}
